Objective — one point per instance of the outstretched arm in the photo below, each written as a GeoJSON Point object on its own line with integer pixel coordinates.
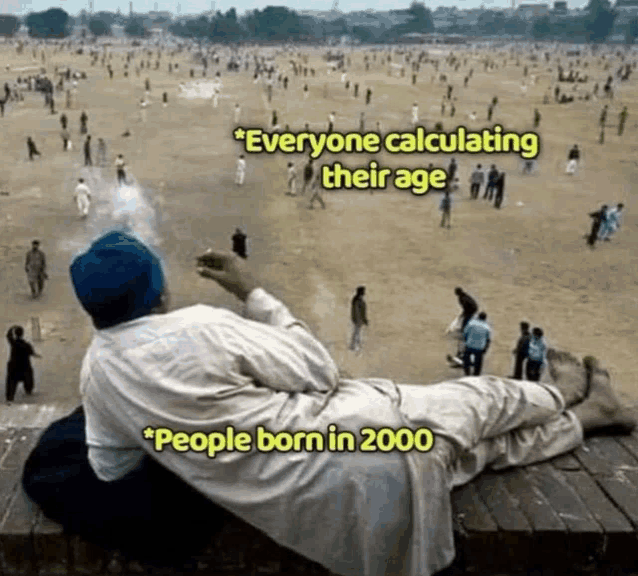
{"type": "Point", "coordinates": [283, 355]}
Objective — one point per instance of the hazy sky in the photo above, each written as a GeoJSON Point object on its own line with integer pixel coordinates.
{"type": "Point", "coordinates": [198, 6]}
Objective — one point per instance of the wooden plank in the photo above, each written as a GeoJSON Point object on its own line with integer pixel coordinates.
{"type": "Point", "coordinates": [563, 498]}
{"type": "Point", "coordinates": [16, 536]}
{"type": "Point", "coordinates": [50, 546]}
{"type": "Point", "coordinates": [471, 511]}
{"type": "Point", "coordinates": [630, 443]}
{"type": "Point", "coordinates": [504, 508]}
{"type": "Point", "coordinates": [9, 482]}
{"type": "Point", "coordinates": [21, 446]}
{"type": "Point", "coordinates": [602, 509]}
{"type": "Point", "coordinates": [532, 503]}
{"type": "Point", "coordinates": [566, 462]}
{"type": "Point", "coordinates": [603, 456]}
{"type": "Point", "coordinates": [6, 437]}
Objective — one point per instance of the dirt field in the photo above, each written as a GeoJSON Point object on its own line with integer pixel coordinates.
{"type": "Point", "coordinates": [527, 261]}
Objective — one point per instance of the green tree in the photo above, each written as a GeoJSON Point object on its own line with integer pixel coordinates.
{"type": "Point", "coordinates": [599, 20]}
{"type": "Point", "coordinates": [136, 27]}
{"type": "Point", "coordinates": [53, 23]}
{"type": "Point", "coordinates": [541, 27]}
{"type": "Point", "coordinates": [99, 27]}
{"type": "Point", "coordinates": [422, 20]}
{"type": "Point", "coordinates": [632, 31]}
{"type": "Point", "coordinates": [9, 25]}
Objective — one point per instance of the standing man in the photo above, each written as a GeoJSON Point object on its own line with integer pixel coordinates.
{"type": "Point", "coordinates": [622, 119]}
{"type": "Point", "coordinates": [536, 355]}
{"type": "Point", "coordinates": [83, 120]}
{"type": "Point", "coordinates": [82, 198]}
{"type": "Point", "coordinates": [19, 367]}
{"type": "Point", "coordinates": [308, 175]}
{"type": "Point", "coordinates": [63, 121]}
{"type": "Point", "coordinates": [477, 336]}
{"type": "Point", "coordinates": [492, 179]}
{"type": "Point", "coordinates": [500, 190]}
{"type": "Point", "coordinates": [521, 351]}
{"type": "Point", "coordinates": [87, 151]}
{"type": "Point", "coordinates": [240, 173]}
{"type": "Point", "coordinates": [292, 180]}
{"type": "Point", "coordinates": [537, 118]}
{"type": "Point", "coordinates": [35, 267]}
{"type": "Point", "coordinates": [359, 317]}
{"type": "Point", "coordinates": [476, 181]}
{"type": "Point", "coordinates": [572, 160]}
{"type": "Point", "coordinates": [239, 243]}
{"type": "Point", "coordinates": [451, 171]}
{"type": "Point", "coordinates": [119, 166]}
{"type": "Point", "coordinates": [331, 122]}
{"type": "Point", "coordinates": [446, 209]}
{"type": "Point", "coordinates": [415, 115]}
{"type": "Point", "coordinates": [316, 193]}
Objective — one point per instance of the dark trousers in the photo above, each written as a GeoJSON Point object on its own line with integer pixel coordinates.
{"type": "Point", "coordinates": [489, 191]}
{"type": "Point", "coordinates": [498, 198]}
{"type": "Point", "coordinates": [87, 160]}
{"type": "Point", "coordinates": [475, 188]}
{"type": "Point", "coordinates": [150, 515]}
{"type": "Point", "coordinates": [36, 286]}
{"type": "Point", "coordinates": [533, 370]}
{"type": "Point", "coordinates": [121, 176]}
{"type": "Point", "coordinates": [14, 377]}
{"type": "Point", "coordinates": [33, 152]}
{"type": "Point", "coordinates": [477, 356]}
{"type": "Point", "coordinates": [65, 143]}
{"type": "Point", "coordinates": [518, 367]}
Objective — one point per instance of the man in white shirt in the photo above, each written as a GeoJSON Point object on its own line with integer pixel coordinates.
{"type": "Point", "coordinates": [201, 369]}
{"type": "Point", "coordinates": [83, 198]}
{"type": "Point", "coordinates": [240, 173]}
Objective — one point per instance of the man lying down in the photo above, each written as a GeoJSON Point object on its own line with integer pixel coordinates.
{"type": "Point", "coordinates": [203, 369]}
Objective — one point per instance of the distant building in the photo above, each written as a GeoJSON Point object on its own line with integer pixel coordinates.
{"type": "Point", "coordinates": [531, 11]}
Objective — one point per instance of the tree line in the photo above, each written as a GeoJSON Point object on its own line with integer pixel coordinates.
{"type": "Point", "coordinates": [280, 24]}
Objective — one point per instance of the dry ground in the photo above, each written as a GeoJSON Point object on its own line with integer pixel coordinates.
{"type": "Point", "coordinates": [523, 262]}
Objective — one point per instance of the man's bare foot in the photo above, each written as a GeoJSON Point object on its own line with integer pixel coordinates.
{"type": "Point", "coordinates": [602, 408]}
{"type": "Point", "coordinates": [568, 375]}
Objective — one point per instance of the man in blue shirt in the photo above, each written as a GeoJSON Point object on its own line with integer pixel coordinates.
{"type": "Point", "coordinates": [477, 340]}
{"type": "Point", "coordinates": [536, 353]}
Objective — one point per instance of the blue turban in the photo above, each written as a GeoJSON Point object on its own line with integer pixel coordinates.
{"type": "Point", "coordinates": [117, 280]}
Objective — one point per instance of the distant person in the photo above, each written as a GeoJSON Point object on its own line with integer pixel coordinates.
{"type": "Point", "coordinates": [598, 222]}
{"type": "Point", "coordinates": [521, 350]}
{"type": "Point", "coordinates": [477, 337]}
{"type": "Point", "coordinates": [292, 179]}
{"type": "Point", "coordinates": [239, 243]}
{"type": "Point", "coordinates": [537, 350]}
{"type": "Point", "coordinates": [66, 140]}
{"type": "Point", "coordinates": [476, 181]}
{"type": "Point", "coordinates": [64, 121]}
{"type": "Point", "coordinates": [446, 209]}
{"type": "Point", "coordinates": [33, 151]}
{"type": "Point", "coordinates": [83, 123]}
{"type": "Point", "coordinates": [237, 113]}
{"type": "Point", "coordinates": [612, 222]}
{"type": "Point", "coordinates": [358, 314]}
{"type": "Point", "coordinates": [19, 367]}
{"type": "Point", "coordinates": [308, 175]}
{"type": "Point", "coordinates": [492, 180]}
{"type": "Point", "coordinates": [573, 159]}
{"type": "Point", "coordinates": [499, 195]}
{"type": "Point", "coordinates": [119, 166]}
{"type": "Point", "coordinates": [83, 198]}
{"type": "Point", "coordinates": [36, 269]}
{"type": "Point", "coordinates": [240, 173]}
{"type": "Point", "coordinates": [87, 151]}
{"type": "Point", "coordinates": [101, 152]}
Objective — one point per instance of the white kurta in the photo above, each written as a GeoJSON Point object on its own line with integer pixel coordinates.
{"type": "Point", "coordinates": [359, 513]}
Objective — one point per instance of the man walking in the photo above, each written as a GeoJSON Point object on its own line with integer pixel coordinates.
{"type": "Point", "coordinates": [308, 175]}
{"type": "Point", "coordinates": [316, 193]}
{"type": "Point", "coordinates": [446, 209]}
{"type": "Point", "coordinates": [33, 151]}
{"type": "Point", "coordinates": [359, 317]}
{"type": "Point", "coordinates": [572, 160]}
{"type": "Point", "coordinates": [492, 179]}
{"type": "Point", "coordinates": [36, 269]}
{"type": "Point", "coordinates": [82, 198]}
{"type": "Point", "coordinates": [598, 222]}
{"type": "Point", "coordinates": [19, 367]}
{"type": "Point", "coordinates": [477, 340]}
{"type": "Point", "coordinates": [240, 172]}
